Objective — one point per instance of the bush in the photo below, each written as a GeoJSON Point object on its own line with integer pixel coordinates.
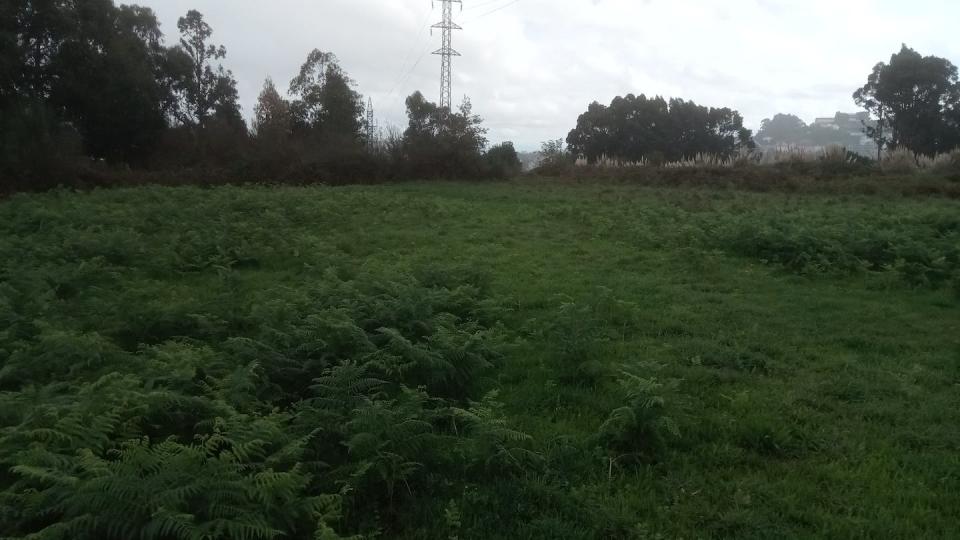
{"type": "Point", "coordinates": [925, 254]}
{"type": "Point", "coordinates": [335, 407]}
{"type": "Point", "coordinates": [899, 161]}
{"type": "Point", "coordinates": [946, 164]}
{"type": "Point", "coordinates": [501, 161]}
{"type": "Point", "coordinates": [837, 161]}
{"type": "Point", "coordinates": [554, 159]}
{"type": "Point", "coordinates": [36, 150]}
{"type": "Point", "coordinates": [835, 154]}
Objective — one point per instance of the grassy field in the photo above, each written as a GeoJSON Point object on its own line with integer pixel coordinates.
{"type": "Point", "coordinates": [684, 363]}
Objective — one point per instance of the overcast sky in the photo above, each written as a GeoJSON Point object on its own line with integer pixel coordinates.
{"type": "Point", "coordinates": [532, 66]}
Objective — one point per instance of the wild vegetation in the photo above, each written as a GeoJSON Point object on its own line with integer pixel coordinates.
{"type": "Point", "coordinates": [635, 128]}
{"type": "Point", "coordinates": [659, 333]}
{"type": "Point", "coordinates": [91, 94]}
{"type": "Point", "coordinates": [430, 361]}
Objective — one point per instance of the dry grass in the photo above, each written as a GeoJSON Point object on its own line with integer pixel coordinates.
{"type": "Point", "coordinates": [782, 155]}
{"type": "Point", "coordinates": [899, 161]}
{"type": "Point", "coordinates": [946, 164]}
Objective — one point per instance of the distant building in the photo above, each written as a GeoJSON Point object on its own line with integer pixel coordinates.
{"type": "Point", "coordinates": [827, 123]}
{"type": "Point", "coordinates": [843, 129]}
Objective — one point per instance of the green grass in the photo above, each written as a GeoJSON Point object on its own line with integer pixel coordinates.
{"type": "Point", "coordinates": [806, 348]}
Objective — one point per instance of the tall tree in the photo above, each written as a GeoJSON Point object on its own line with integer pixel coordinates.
{"type": "Point", "coordinates": [205, 91]}
{"type": "Point", "coordinates": [10, 52]}
{"type": "Point", "coordinates": [90, 64]}
{"type": "Point", "coordinates": [271, 115]}
{"type": "Point", "coordinates": [502, 161]}
{"type": "Point", "coordinates": [41, 27]}
{"type": "Point", "coordinates": [271, 129]}
{"type": "Point", "coordinates": [105, 79]}
{"type": "Point", "coordinates": [440, 143]}
{"type": "Point", "coordinates": [782, 129]}
{"type": "Point", "coordinates": [593, 135]}
{"type": "Point", "coordinates": [326, 104]}
{"type": "Point", "coordinates": [915, 96]}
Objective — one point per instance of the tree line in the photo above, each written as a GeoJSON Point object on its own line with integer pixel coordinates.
{"type": "Point", "coordinates": [92, 86]}
{"type": "Point", "coordinates": [90, 91]}
{"type": "Point", "coordinates": [911, 102]}
{"type": "Point", "coordinates": [655, 130]}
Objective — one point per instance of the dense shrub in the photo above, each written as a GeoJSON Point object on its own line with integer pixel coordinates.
{"type": "Point", "coordinates": [298, 414]}
{"type": "Point", "coordinates": [926, 254]}
{"type": "Point", "coordinates": [554, 159]}
{"type": "Point", "coordinates": [37, 151]}
{"type": "Point", "coordinates": [502, 161]}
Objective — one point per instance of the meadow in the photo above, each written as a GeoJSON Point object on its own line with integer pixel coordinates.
{"type": "Point", "coordinates": [509, 360]}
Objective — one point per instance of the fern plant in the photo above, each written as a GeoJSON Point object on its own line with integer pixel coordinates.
{"type": "Point", "coordinates": [638, 430]}
{"type": "Point", "coordinates": [487, 441]}
{"type": "Point", "coordinates": [311, 413]}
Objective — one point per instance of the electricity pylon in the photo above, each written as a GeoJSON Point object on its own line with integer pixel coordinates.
{"type": "Point", "coordinates": [371, 125]}
{"type": "Point", "coordinates": [447, 53]}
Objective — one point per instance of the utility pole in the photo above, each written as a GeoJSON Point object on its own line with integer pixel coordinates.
{"type": "Point", "coordinates": [446, 53]}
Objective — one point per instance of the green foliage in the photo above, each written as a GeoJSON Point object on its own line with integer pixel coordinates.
{"type": "Point", "coordinates": [204, 91]}
{"type": "Point", "coordinates": [554, 158]}
{"type": "Point", "coordinates": [440, 143]}
{"type": "Point", "coordinates": [581, 334]}
{"type": "Point", "coordinates": [915, 98]}
{"type": "Point", "coordinates": [575, 344]}
{"type": "Point", "coordinates": [636, 129]}
{"type": "Point", "coordinates": [397, 362]}
{"type": "Point", "coordinates": [452, 517]}
{"type": "Point", "coordinates": [297, 413]}
{"type": "Point", "coordinates": [782, 129]}
{"type": "Point", "coordinates": [35, 148]}
{"type": "Point", "coordinates": [491, 445]}
{"type": "Point", "coordinates": [502, 161]}
{"type": "Point", "coordinates": [638, 430]}
{"type": "Point", "coordinates": [925, 254]}
{"type": "Point", "coordinates": [326, 104]}
{"type": "Point", "coordinates": [90, 95]}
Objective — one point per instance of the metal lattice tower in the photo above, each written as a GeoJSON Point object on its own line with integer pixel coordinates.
{"type": "Point", "coordinates": [371, 125]}
{"type": "Point", "coordinates": [447, 53]}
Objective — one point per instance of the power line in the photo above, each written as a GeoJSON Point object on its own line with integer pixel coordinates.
{"type": "Point", "coordinates": [492, 11]}
{"type": "Point", "coordinates": [402, 74]}
{"type": "Point", "coordinates": [480, 5]}
{"type": "Point", "coordinates": [410, 71]}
